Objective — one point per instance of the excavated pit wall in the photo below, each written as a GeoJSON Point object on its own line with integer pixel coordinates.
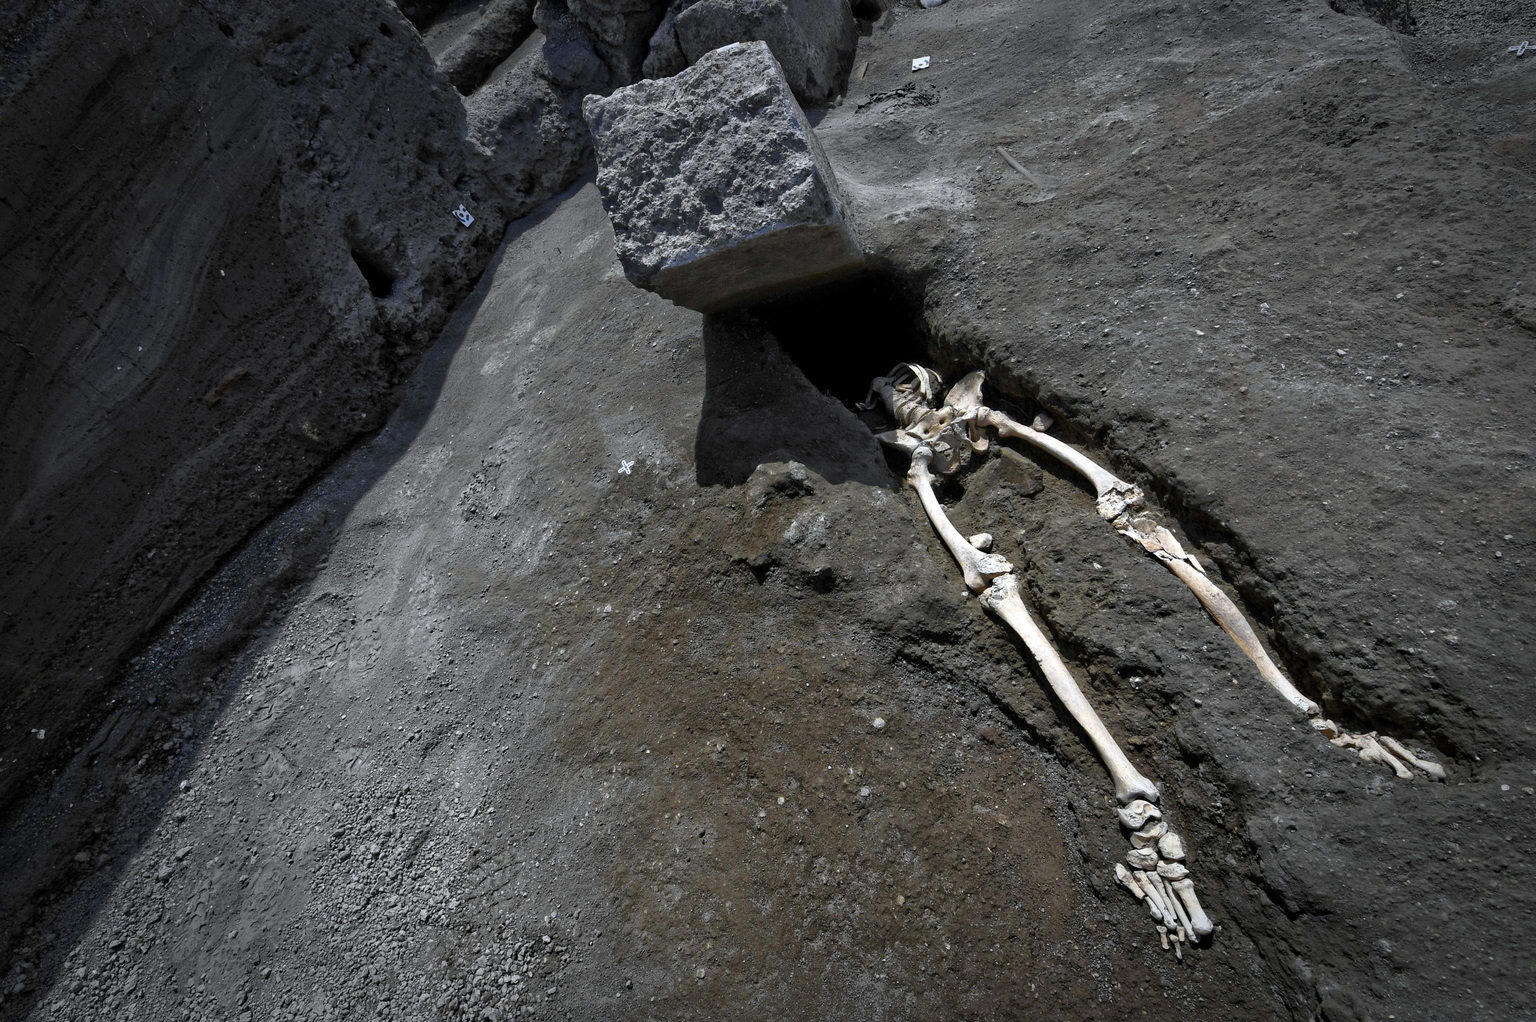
{"type": "Point", "coordinates": [229, 239]}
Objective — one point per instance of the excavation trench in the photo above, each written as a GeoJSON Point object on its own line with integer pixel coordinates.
{"type": "Point", "coordinates": [845, 334]}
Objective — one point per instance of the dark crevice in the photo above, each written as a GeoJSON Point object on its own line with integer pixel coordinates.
{"type": "Point", "coordinates": [844, 334]}
{"type": "Point", "coordinates": [381, 280]}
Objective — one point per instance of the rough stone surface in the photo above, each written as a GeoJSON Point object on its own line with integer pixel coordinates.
{"type": "Point", "coordinates": [718, 191]}
{"type": "Point", "coordinates": [664, 56]}
{"type": "Point", "coordinates": [228, 237]}
{"type": "Point", "coordinates": [469, 45]}
{"type": "Point", "coordinates": [813, 40]}
{"type": "Point", "coordinates": [620, 29]}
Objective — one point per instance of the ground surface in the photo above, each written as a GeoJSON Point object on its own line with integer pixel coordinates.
{"type": "Point", "coordinates": [560, 693]}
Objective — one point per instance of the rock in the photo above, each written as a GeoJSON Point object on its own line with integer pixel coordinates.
{"type": "Point", "coordinates": [620, 30]}
{"type": "Point", "coordinates": [500, 29]}
{"type": "Point", "coordinates": [310, 161]}
{"type": "Point", "coordinates": [665, 56]}
{"type": "Point", "coordinates": [813, 40]}
{"type": "Point", "coordinates": [571, 57]}
{"type": "Point", "coordinates": [530, 128]}
{"type": "Point", "coordinates": [717, 189]}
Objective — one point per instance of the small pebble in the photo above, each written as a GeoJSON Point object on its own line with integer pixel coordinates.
{"type": "Point", "coordinates": [878, 722]}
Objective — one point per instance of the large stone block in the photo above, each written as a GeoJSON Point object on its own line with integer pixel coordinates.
{"type": "Point", "coordinates": [813, 40]}
{"type": "Point", "coordinates": [717, 189]}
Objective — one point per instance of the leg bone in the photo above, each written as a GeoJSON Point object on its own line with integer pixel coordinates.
{"type": "Point", "coordinates": [1002, 599]}
{"type": "Point", "coordinates": [979, 568]}
{"type": "Point", "coordinates": [1119, 502]}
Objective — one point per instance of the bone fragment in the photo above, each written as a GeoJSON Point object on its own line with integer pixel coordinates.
{"type": "Point", "coordinates": [1142, 858]}
{"type": "Point", "coordinates": [1128, 881]}
{"type": "Point", "coordinates": [1178, 950]}
{"type": "Point", "coordinates": [1135, 815]}
{"type": "Point", "coordinates": [1201, 923]}
{"type": "Point", "coordinates": [981, 541]}
{"type": "Point", "coordinates": [1162, 935]}
{"type": "Point", "coordinates": [1155, 897]}
{"type": "Point", "coordinates": [1171, 847]}
{"type": "Point", "coordinates": [1186, 926]}
{"type": "Point", "coordinates": [1002, 599]}
{"type": "Point", "coordinates": [978, 568]}
{"type": "Point", "coordinates": [1147, 836]}
{"type": "Point", "coordinates": [1171, 871]}
{"type": "Point", "coordinates": [1398, 749]}
{"type": "Point", "coordinates": [1372, 752]}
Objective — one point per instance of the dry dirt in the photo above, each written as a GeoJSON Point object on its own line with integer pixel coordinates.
{"type": "Point", "coordinates": [557, 697]}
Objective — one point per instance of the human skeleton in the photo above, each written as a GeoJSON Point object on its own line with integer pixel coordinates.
{"type": "Point", "coordinates": [941, 437]}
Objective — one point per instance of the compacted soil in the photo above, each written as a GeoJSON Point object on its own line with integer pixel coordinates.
{"type": "Point", "coordinates": [619, 676]}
